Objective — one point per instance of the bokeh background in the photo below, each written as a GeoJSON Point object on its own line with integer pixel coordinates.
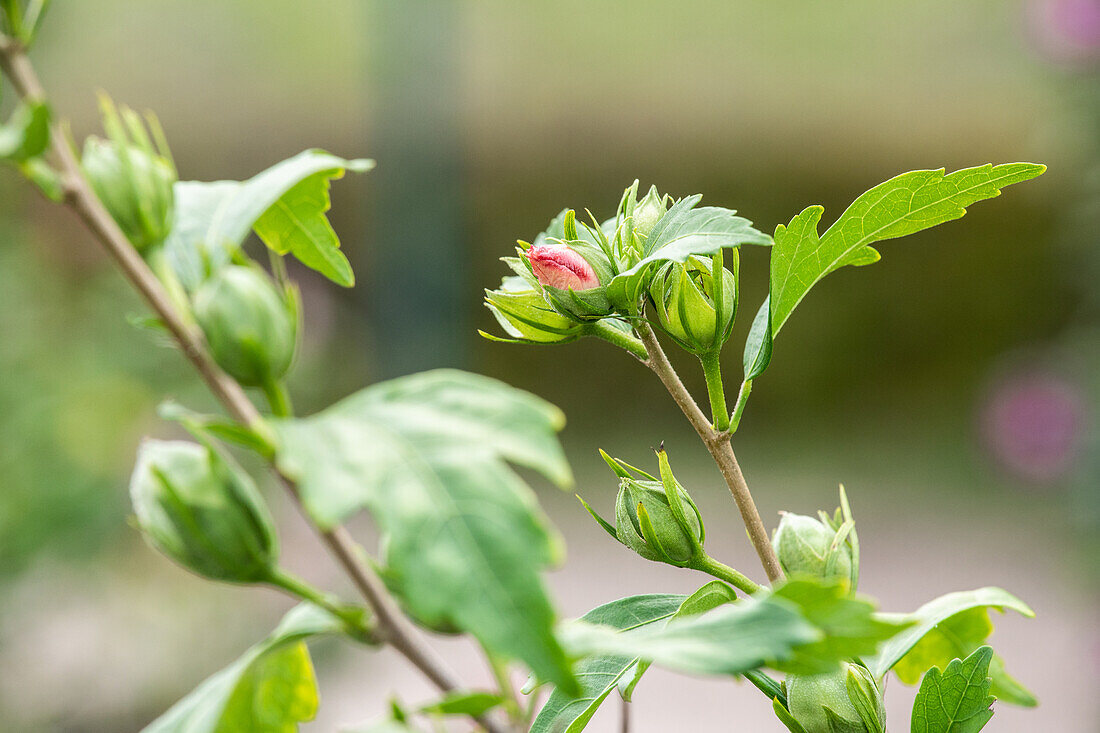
{"type": "Point", "coordinates": [953, 387]}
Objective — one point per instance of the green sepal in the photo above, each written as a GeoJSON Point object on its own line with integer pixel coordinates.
{"type": "Point", "coordinates": [786, 718]}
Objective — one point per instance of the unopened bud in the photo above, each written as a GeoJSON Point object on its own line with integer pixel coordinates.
{"type": "Point", "coordinates": [572, 276]}
{"type": "Point", "coordinates": [648, 212]}
{"type": "Point", "coordinates": [807, 546]}
{"type": "Point", "coordinates": [251, 329]}
{"type": "Point", "coordinates": [203, 512]}
{"type": "Point", "coordinates": [693, 306]}
{"type": "Point", "coordinates": [657, 519]}
{"type": "Point", "coordinates": [132, 178]}
{"type": "Point", "coordinates": [559, 266]}
{"type": "Point", "coordinates": [847, 699]}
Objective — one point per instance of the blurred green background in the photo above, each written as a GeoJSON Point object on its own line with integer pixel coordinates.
{"type": "Point", "coordinates": [953, 387]}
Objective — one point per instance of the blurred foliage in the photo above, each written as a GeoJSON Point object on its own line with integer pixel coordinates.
{"type": "Point", "coordinates": [78, 391]}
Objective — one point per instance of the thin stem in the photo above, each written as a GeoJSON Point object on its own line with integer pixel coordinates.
{"type": "Point", "coordinates": [507, 689]}
{"type": "Point", "coordinates": [352, 617]}
{"type": "Point", "coordinates": [619, 338]}
{"type": "Point", "coordinates": [624, 716]}
{"type": "Point", "coordinates": [712, 371]}
{"type": "Point", "coordinates": [718, 445]}
{"type": "Point", "coordinates": [710, 566]}
{"type": "Point", "coordinates": [739, 407]}
{"type": "Point", "coordinates": [278, 398]}
{"type": "Point", "coordinates": [392, 626]}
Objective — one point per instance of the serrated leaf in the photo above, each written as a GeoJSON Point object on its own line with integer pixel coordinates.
{"type": "Point", "coordinates": [931, 621]}
{"type": "Point", "coordinates": [956, 700]}
{"type": "Point", "coordinates": [730, 639]}
{"type": "Point", "coordinates": [26, 134]}
{"type": "Point", "coordinates": [212, 219]}
{"type": "Point", "coordinates": [269, 689]}
{"type": "Point", "coordinates": [464, 537]}
{"type": "Point", "coordinates": [682, 232]}
{"type": "Point", "coordinates": [599, 675]}
{"type": "Point", "coordinates": [903, 205]}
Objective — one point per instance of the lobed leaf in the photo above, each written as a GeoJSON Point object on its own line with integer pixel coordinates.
{"type": "Point", "coordinates": [269, 689]}
{"type": "Point", "coordinates": [903, 205]}
{"type": "Point", "coordinates": [956, 700]}
{"type": "Point", "coordinates": [285, 203]}
{"type": "Point", "coordinates": [464, 537]}
{"type": "Point", "coordinates": [950, 626]}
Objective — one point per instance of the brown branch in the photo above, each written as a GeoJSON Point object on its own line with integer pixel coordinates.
{"type": "Point", "coordinates": [718, 443]}
{"type": "Point", "coordinates": [393, 627]}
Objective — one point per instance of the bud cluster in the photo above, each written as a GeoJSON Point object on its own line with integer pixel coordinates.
{"type": "Point", "coordinates": [567, 273]}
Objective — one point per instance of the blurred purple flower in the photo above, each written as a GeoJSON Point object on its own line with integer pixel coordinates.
{"type": "Point", "coordinates": [1034, 425]}
{"type": "Point", "coordinates": [1066, 31]}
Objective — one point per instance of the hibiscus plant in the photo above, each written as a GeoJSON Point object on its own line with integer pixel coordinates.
{"type": "Point", "coordinates": [430, 456]}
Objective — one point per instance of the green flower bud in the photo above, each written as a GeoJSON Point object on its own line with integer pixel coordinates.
{"type": "Point", "coordinates": [806, 546]}
{"type": "Point", "coordinates": [130, 177]}
{"type": "Point", "coordinates": [525, 315]}
{"type": "Point", "coordinates": [202, 511]}
{"type": "Point", "coordinates": [252, 331]}
{"type": "Point", "coordinates": [845, 700]}
{"type": "Point", "coordinates": [692, 306]}
{"type": "Point", "coordinates": [656, 519]}
{"type": "Point", "coordinates": [647, 213]}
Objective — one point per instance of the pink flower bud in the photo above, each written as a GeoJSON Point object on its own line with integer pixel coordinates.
{"type": "Point", "coordinates": [558, 266]}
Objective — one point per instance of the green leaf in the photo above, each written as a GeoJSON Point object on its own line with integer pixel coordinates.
{"type": "Point", "coordinates": [903, 205]}
{"type": "Point", "coordinates": [730, 639]}
{"type": "Point", "coordinates": [598, 675]}
{"type": "Point", "coordinates": [297, 224]}
{"type": "Point", "coordinates": [217, 426]}
{"type": "Point", "coordinates": [465, 702]}
{"type": "Point", "coordinates": [286, 203]}
{"type": "Point", "coordinates": [26, 134]}
{"type": "Point", "coordinates": [682, 232]}
{"type": "Point", "coordinates": [269, 689]}
{"type": "Point", "coordinates": [850, 627]}
{"type": "Point", "coordinates": [956, 700]}
{"type": "Point", "coordinates": [953, 623]}
{"type": "Point", "coordinates": [758, 345]}
{"type": "Point", "coordinates": [464, 537]}
{"type": "Point", "coordinates": [1006, 689]}
{"type": "Point", "coordinates": [711, 595]}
